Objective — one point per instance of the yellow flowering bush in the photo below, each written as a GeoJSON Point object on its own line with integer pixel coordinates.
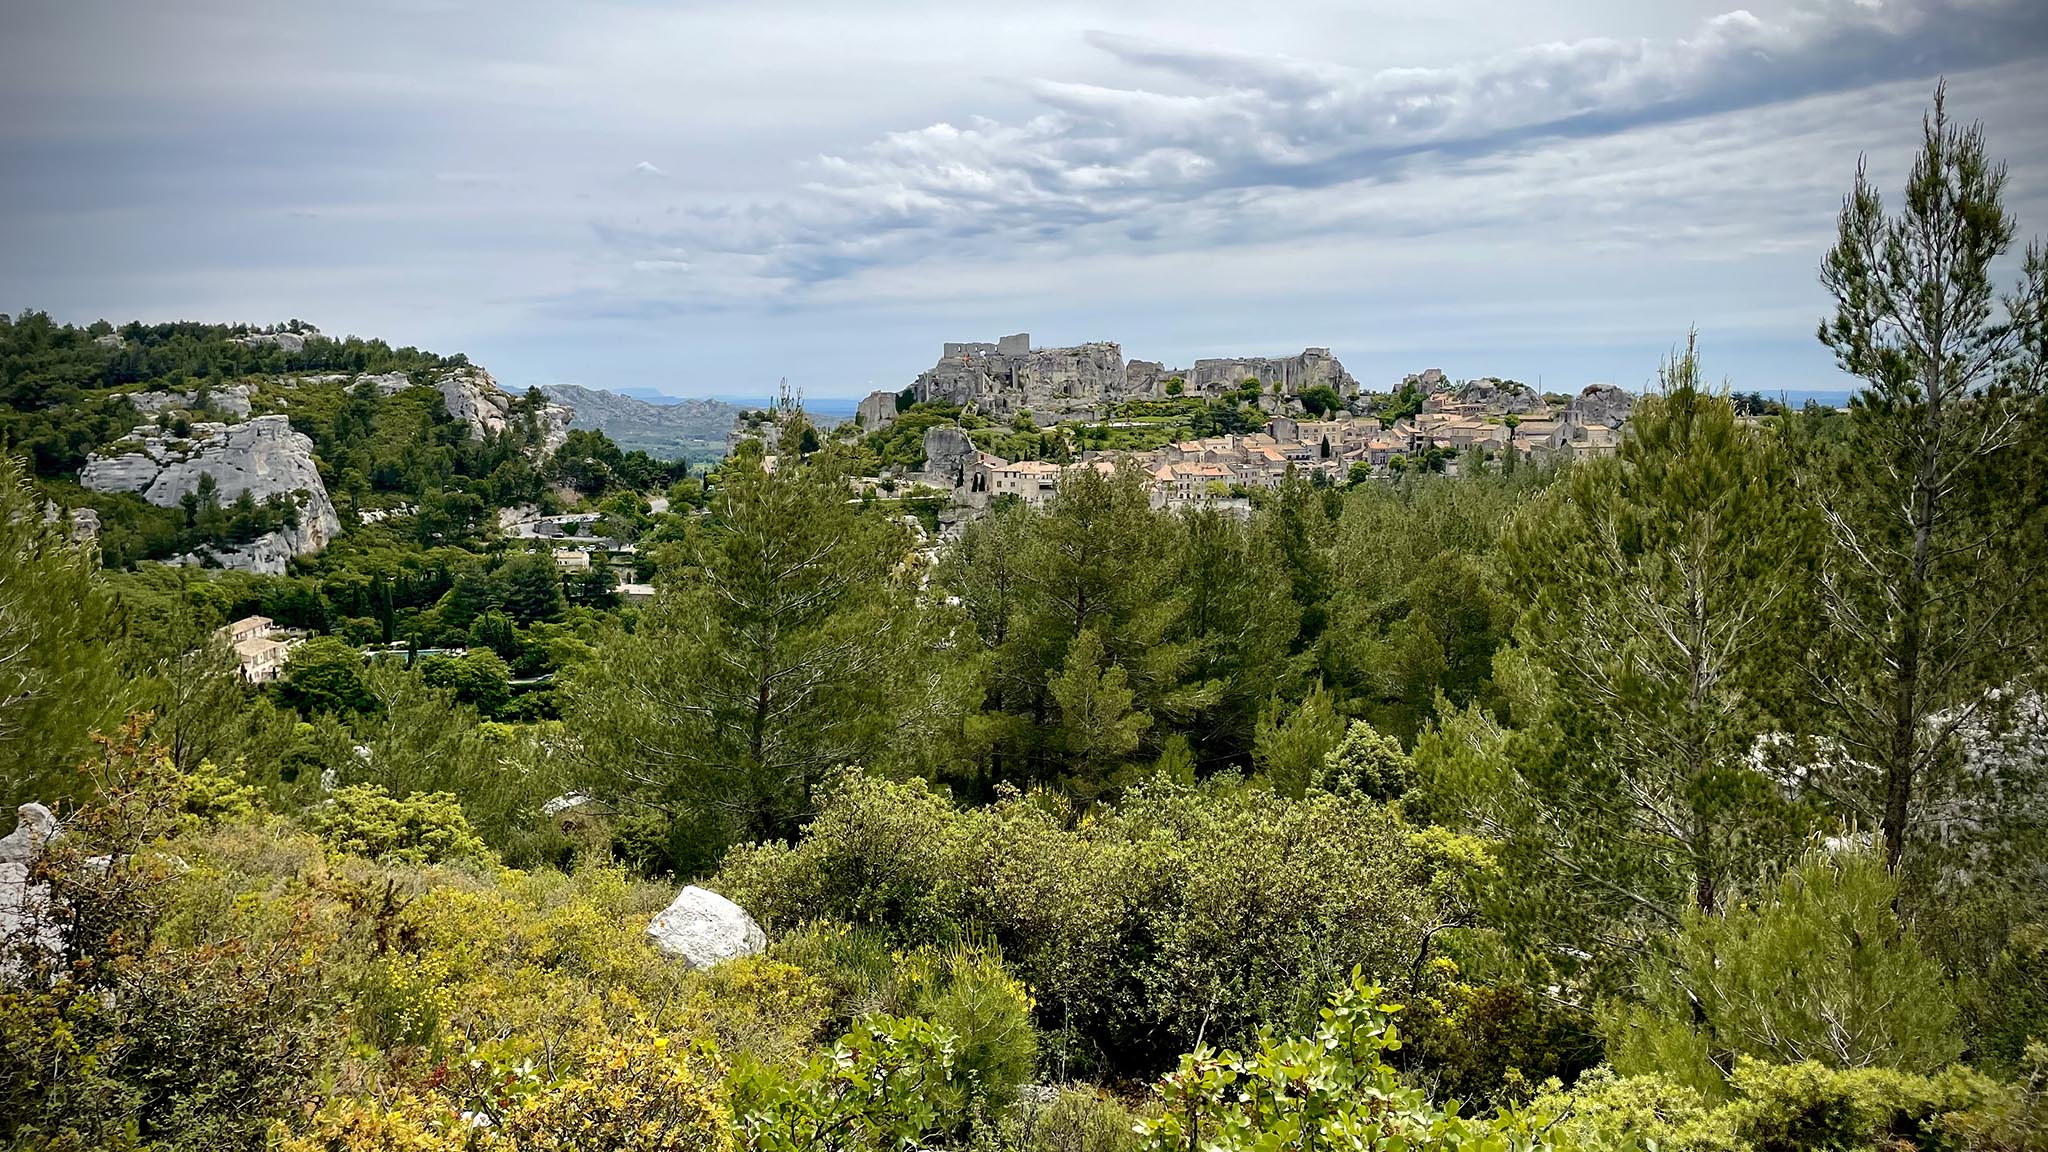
{"type": "Point", "coordinates": [637, 1094]}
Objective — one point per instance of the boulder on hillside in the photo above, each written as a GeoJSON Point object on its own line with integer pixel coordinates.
{"type": "Point", "coordinates": [702, 928]}
{"type": "Point", "coordinates": [34, 826]}
{"type": "Point", "coordinates": [1601, 405]}
{"type": "Point", "coordinates": [25, 906]}
{"type": "Point", "coordinates": [948, 456]}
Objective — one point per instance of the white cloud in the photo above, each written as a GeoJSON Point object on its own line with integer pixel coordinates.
{"type": "Point", "coordinates": [1221, 147]}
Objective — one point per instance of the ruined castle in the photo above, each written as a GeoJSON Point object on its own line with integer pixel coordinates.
{"type": "Point", "coordinates": [1009, 376]}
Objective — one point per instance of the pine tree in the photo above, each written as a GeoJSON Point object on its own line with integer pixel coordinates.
{"type": "Point", "coordinates": [58, 680]}
{"type": "Point", "coordinates": [1665, 609]}
{"type": "Point", "coordinates": [1936, 580]}
{"type": "Point", "coordinates": [786, 650]}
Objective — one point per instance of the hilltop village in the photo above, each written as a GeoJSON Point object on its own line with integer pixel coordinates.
{"type": "Point", "coordinates": [1268, 417]}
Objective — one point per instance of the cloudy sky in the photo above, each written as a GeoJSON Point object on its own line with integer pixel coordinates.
{"type": "Point", "coordinates": [701, 197]}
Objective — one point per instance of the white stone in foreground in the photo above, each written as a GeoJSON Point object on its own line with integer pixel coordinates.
{"type": "Point", "coordinates": [702, 928]}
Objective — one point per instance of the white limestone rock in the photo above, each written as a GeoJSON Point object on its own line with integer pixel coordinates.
{"type": "Point", "coordinates": [948, 456]}
{"type": "Point", "coordinates": [702, 928]}
{"type": "Point", "coordinates": [263, 457]}
{"type": "Point", "coordinates": [475, 399]}
{"type": "Point", "coordinates": [1600, 406]}
{"type": "Point", "coordinates": [34, 826]}
{"type": "Point", "coordinates": [229, 399]}
{"type": "Point", "coordinates": [24, 907]}
{"type": "Point", "coordinates": [876, 412]}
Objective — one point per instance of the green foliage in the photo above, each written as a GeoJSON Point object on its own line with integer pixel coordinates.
{"type": "Point", "coordinates": [1661, 641]}
{"type": "Point", "coordinates": [1321, 400]}
{"type": "Point", "coordinates": [1291, 750]}
{"type": "Point", "coordinates": [762, 665]}
{"type": "Point", "coordinates": [1795, 1108]}
{"type": "Point", "coordinates": [422, 828]}
{"type": "Point", "coordinates": [57, 674]}
{"type": "Point", "coordinates": [1330, 1090]}
{"type": "Point", "coordinates": [1823, 972]}
{"type": "Point", "coordinates": [1935, 571]}
{"type": "Point", "coordinates": [127, 1022]}
{"type": "Point", "coordinates": [480, 679]}
{"type": "Point", "coordinates": [1368, 762]}
{"type": "Point", "coordinates": [884, 1086]}
{"type": "Point", "coordinates": [1181, 912]}
{"type": "Point", "coordinates": [326, 674]}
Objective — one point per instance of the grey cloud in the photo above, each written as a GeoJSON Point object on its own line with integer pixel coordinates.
{"type": "Point", "coordinates": [1188, 147]}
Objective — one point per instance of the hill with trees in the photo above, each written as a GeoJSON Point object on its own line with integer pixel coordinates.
{"type": "Point", "coordinates": [1693, 797]}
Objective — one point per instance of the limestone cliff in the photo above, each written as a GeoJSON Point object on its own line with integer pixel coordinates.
{"type": "Point", "coordinates": [471, 396]}
{"type": "Point", "coordinates": [1313, 368]}
{"type": "Point", "coordinates": [262, 457]}
{"type": "Point", "coordinates": [1000, 380]}
{"type": "Point", "coordinates": [475, 399]}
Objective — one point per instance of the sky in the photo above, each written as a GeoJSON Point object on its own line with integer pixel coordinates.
{"type": "Point", "coordinates": [704, 197]}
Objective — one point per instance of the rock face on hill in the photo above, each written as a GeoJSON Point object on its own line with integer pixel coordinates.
{"type": "Point", "coordinates": [1000, 380]}
{"type": "Point", "coordinates": [1313, 368]}
{"type": "Point", "coordinates": [686, 429]}
{"type": "Point", "coordinates": [262, 457]}
{"type": "Point", "coordinates": [475, 399]}
{"type": "Point", "coordinates": [948, 456]}
{"type": "Point", "coordinates": [1600, 405]}
{"type": "Point", "coordinates": [1498, 395]}
{"type": "Point", "coordinates": [231, 400]}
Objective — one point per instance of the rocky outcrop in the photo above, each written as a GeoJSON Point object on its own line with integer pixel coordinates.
{"type": "Point", "coordinates": [1003, 379]}
{"type": "Point", "coordinates": [262, 457]}
{"type": "Point", "coordinates": [471, 396]}
{"type": "Point", "coordinates": [875, 412]}
{"type": "Point", "coordinates": [25, 906]}
{"type": "Point", "coordinates": [1499, 395]}
{"type": "Point", "coordinates": [702, 928]}
{"type": "Point", "coordinates": [948, 456]}
{"type": "Point", "coordinates": [289, 341]}
{"type": "Point", "coordinates": [1000, 380]}
{"type": "Point", "coordinates": [1313, 368]}
{"type": "Point", "coordinates": [1600, 406]}
{"type": "Point", "coordinates": [34, 826]}
{"type": "Point", "coordinates": [475, 399]}
{"type": "Point", "coordinates": [228, 400]}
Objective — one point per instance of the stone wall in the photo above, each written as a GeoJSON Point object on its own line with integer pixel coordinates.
{"type": "Point", "coordinates": [1049, 383]}
{"type": "Point", "coordinates": [1002, 379]}
{"type": "Point", "coordinates": [875, 412]}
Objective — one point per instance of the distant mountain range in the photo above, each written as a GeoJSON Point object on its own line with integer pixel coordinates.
{"type": "Point", "coordinates": [692, 430]}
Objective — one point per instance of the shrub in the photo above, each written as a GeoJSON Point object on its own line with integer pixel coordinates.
{"type": "Point", "coordinates": [887, 1085]}
{"type": "Point", "coordinates": [632, 1095]}
{"type": "Point", "coordinates": [1183, 912]}
{"type": "Point", "coordinates": [1824, 972]}
{"type": "Point", "coordinates": [1330, 1090]}
{"type": "Point", "coordinates": [423, 828]}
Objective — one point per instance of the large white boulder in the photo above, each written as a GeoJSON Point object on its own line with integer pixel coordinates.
{"type": "Point", "coordinates": [34, 826]}
{"type": "Point", "coordinates": [25, 906]}
{"type": "Point", "coordinates": [702, 928]}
